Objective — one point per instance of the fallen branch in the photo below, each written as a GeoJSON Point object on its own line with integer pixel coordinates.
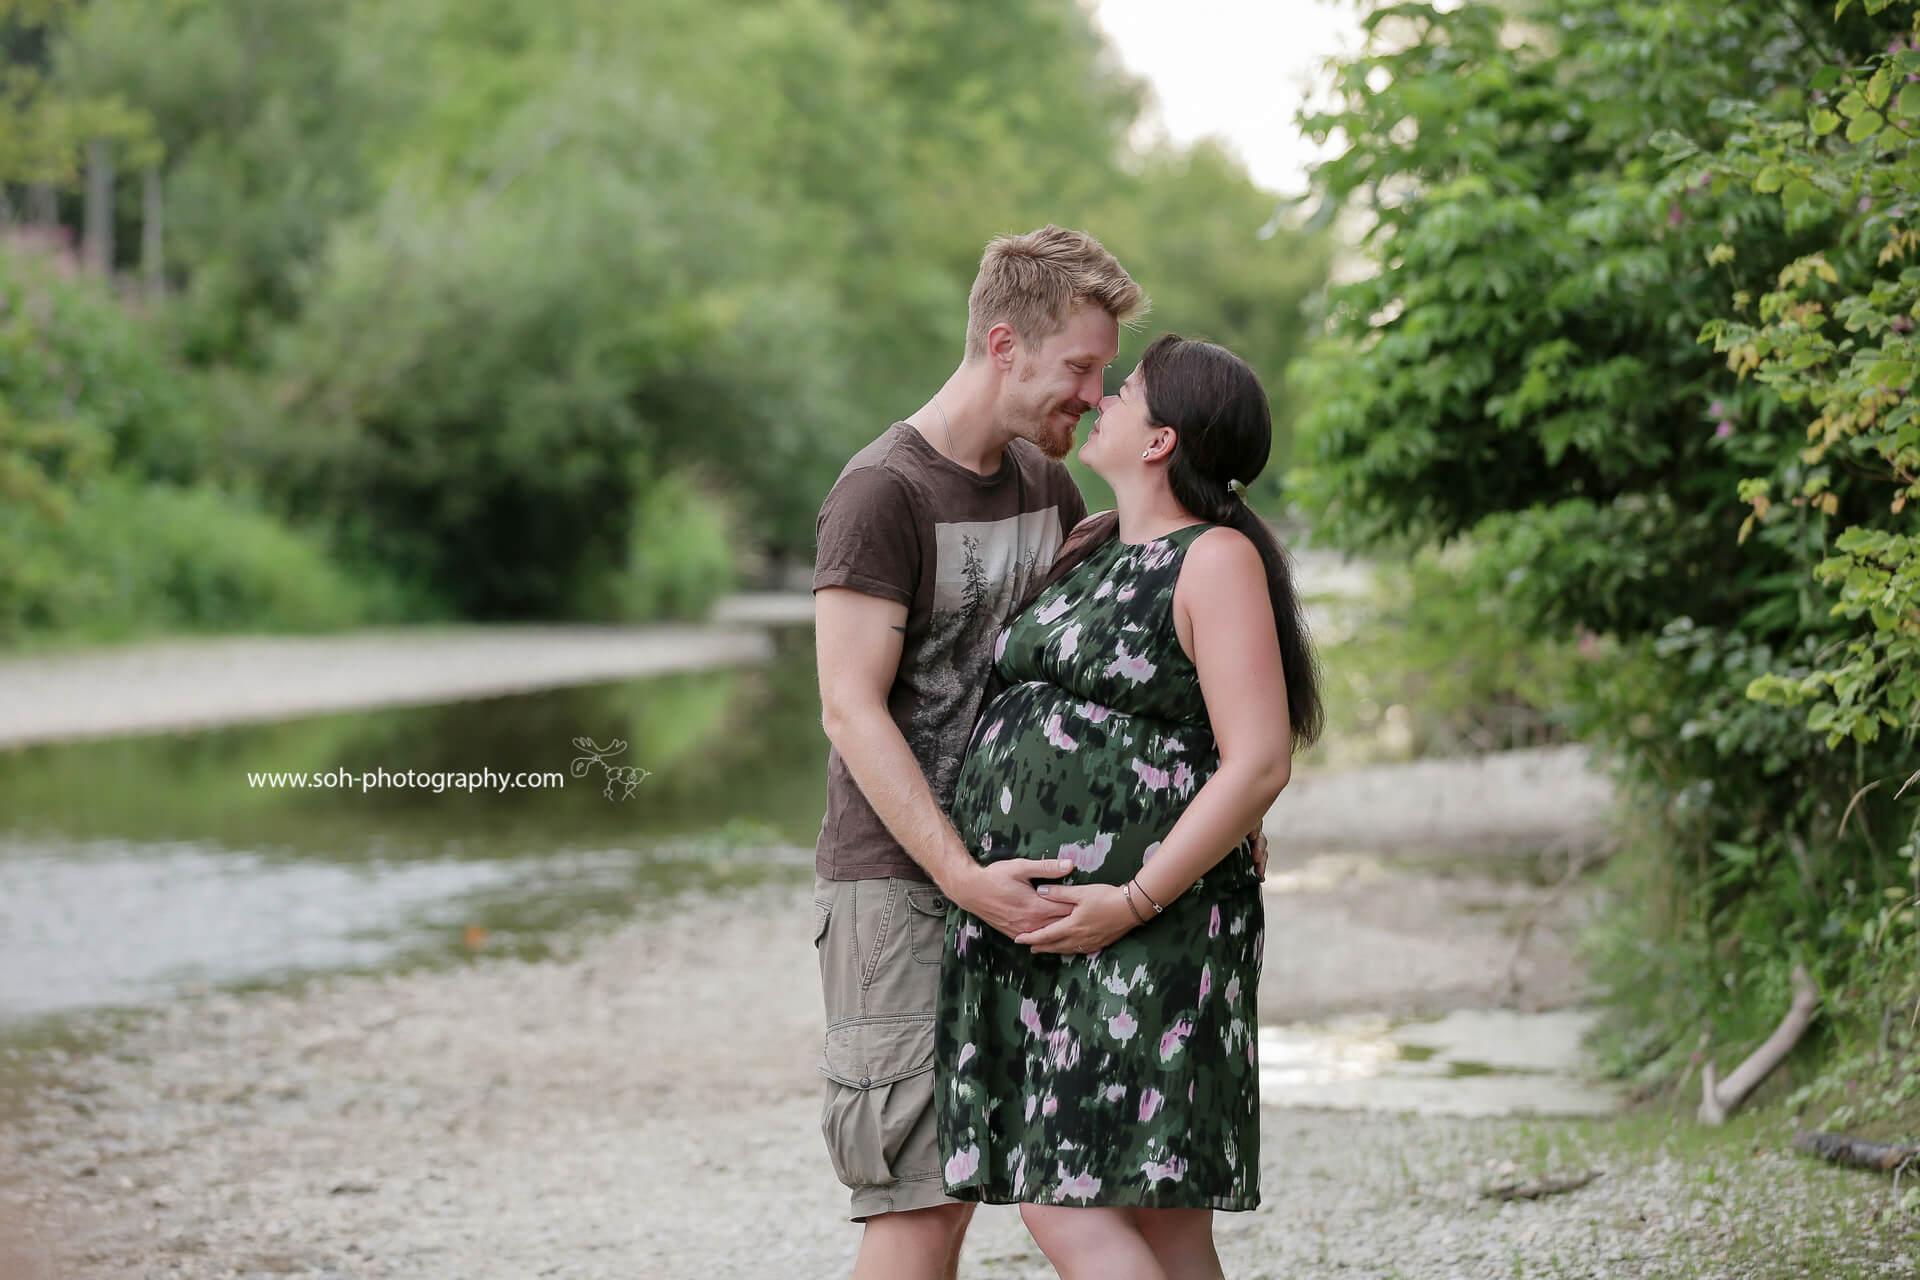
{"type": "Point", "coordinates": [1720, 1098]}
{"type": "Point", "coordinates": [1542, 1188]}
{"type": "Point", "coordinates": [1887, 1157]}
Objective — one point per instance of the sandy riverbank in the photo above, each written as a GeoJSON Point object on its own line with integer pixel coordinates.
{"type": "Point", "coordinates": [197, 684]}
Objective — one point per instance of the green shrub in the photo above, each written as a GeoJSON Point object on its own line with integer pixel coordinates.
{"type": "Point", "coordinates": [128, 559]}
{"type": "Point", "coordinates": [85, 386]}
{"type": "Point", "coordinates": [680, 556]}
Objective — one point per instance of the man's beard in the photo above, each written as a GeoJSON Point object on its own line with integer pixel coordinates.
{"type": "Point", "coordinates": [1042, 426]}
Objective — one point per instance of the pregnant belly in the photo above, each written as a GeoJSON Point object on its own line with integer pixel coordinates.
{"type": "Point", "coordinates": [1049, 774]}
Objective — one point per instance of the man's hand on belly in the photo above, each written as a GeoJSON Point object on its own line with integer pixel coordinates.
{"type": "Point", "coordinates": [1001, 893]}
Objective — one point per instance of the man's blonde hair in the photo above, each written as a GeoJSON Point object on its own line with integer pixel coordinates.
{"type": "Point", "coordinates": [1034, 281]}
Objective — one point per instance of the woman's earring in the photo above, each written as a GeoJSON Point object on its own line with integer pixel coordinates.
{"type": "Point", "coordinates": [1145, 452]}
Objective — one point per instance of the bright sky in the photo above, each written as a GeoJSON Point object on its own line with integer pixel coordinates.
{"type": "Point", "coordinates": [1234, 69]}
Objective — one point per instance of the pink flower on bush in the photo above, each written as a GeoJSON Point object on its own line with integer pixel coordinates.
{"type": "Point", "coordinates": [1093, 712]}
{"type": "Point", "coordinates": [1206, 981]}
{"type": "Point", "coordinates": [1051, 610]}
{"type": "Point", "coordinates": [966, 1055]}
{"type": "Point", "coordinates": [1122, 1025]}
{"type": "Point", "coordinates": [1150, 1104]}
{"type": "Point", "coordinates": [1182, 778]}
{"type": "Point", "coordinates": [1070, 640]}
{"type": "Point", "coordinates": [1051, 1105]}
{"type": "Point", "coordinates": [1057, 736]}
{"type": "Point", "coordinates": [1233, 989]}
{"type": "Point", "coordinates": [1213, 922]}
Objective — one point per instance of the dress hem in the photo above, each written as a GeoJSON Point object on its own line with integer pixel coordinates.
{"type": "Point", "coordinates": [1218, 1204]}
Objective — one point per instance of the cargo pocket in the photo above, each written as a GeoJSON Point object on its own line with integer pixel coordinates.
{"type": "Point", "coordinates": [926, 924]}
{"type": "Point", "coordinates": [822, 912]}
{"type": "Point", "coordinates": [879, 1075]}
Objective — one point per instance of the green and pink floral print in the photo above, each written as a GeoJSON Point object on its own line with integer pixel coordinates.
{"type": "Point", "coordinates": [1130, 1076]}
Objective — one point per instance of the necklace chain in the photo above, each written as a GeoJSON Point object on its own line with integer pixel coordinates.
{"type": "Point", "coordinates": [947, 427]}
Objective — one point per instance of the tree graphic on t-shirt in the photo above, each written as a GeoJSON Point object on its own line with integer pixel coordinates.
{"type": "Point", "coordinates": [1029, 567]}
{"type": "Point", "coordinates": [974, 571]}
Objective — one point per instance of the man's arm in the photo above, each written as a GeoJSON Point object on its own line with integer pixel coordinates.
{"type": "Point", "coordinates": [858, 640]}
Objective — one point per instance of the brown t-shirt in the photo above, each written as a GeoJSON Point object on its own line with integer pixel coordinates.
{"type": "Point", "coordinates": [907, 523]}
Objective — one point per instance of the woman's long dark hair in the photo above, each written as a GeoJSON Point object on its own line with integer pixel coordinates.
{"type": "Point", "coordinates": [1218, 410]}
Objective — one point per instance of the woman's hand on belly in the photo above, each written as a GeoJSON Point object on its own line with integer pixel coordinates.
{"type": "Point", "coordinates": [1099, 918]}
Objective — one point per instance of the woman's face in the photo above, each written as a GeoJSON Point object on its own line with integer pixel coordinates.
{"type": "Point", "coordinates": [1122, 430]}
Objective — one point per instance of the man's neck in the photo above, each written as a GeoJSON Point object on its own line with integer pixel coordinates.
{"type": "Point", "coordinates": [958, 421]}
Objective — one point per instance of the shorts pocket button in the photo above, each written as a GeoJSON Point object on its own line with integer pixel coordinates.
{"type": "Point", "coordinates": [866, 1082]}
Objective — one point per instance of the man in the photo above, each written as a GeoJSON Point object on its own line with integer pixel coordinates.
{"type": "Point", "coordinates": [928, 539]}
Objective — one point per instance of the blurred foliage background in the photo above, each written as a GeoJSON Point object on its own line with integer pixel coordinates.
{"type": "Point", "coordinates": [323, 312]}
{"type": "Point", "coordinates": [1633, 365]}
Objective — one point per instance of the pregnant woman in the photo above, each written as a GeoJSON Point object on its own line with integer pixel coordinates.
{"type": "Point", "coordinates": [1101, 1072]}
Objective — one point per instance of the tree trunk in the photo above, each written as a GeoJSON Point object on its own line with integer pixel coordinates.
{"type": "Point", "coordinates": [96, 245]}
{"type": "Point", "coordinates": [152, 211]}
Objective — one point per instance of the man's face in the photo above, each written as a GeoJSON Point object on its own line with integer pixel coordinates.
{"type": "Point", "coordinates": [1059, 379]}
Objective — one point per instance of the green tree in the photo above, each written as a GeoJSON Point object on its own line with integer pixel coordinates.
{"type": "Point", "coordinates": [1524, 373]}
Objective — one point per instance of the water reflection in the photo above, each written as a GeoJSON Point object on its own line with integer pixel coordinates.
{"type": "Point", "coordinates": [132, 867]}
{"type": "Point", "coordinates": [1489, 1062]}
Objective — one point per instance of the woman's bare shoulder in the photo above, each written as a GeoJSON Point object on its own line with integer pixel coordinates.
{"type": "Point", "coordinates": [1222, 556]}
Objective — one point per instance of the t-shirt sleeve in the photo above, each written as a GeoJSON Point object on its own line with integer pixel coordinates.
{"type": "Point", "coordinates": [866, 537]}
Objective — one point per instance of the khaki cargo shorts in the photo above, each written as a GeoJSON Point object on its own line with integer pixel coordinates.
{"type": "Point", "coordinates": [880, 943]}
